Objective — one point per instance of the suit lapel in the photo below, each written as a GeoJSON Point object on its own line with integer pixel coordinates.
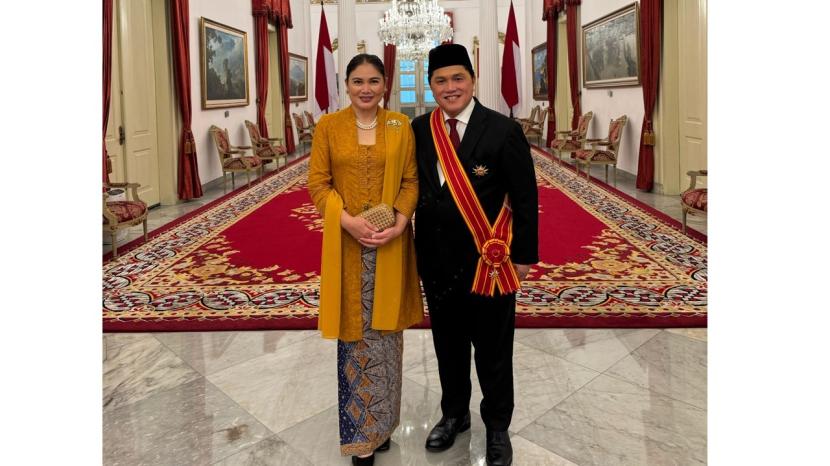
{"type": "Point", "coordinates": [430, 160]}
{"type": "Point", "coordinates": [475, 128]}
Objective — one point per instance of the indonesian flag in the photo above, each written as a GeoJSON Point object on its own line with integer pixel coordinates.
{"type": "Point", "coordinates": [511, 66]}
{"type": "Point", "coordinates": [325, 82]}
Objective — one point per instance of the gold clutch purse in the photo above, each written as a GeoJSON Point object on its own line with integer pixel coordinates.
{"type": "Point", "coordinates": [381, 216]}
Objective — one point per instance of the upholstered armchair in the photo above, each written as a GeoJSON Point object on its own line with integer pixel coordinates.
{"type": "Point", "coordinates": [602, 151]}
{"type": "Point", "coordinates": [303, 131]}
{"type": "Point", "coordinates": [572, 140]}
{"type": "Point", "coordinates": [123, 214]}
{"type": "Point", "coordinates": [694, 200]}
{"type": "Point", "coordinates": [267, 149]}
{"type": "Point", "coordinates": [533, 112]}
{"type": "Point", "coordinates": [537, 127]}
{"type": "Point", "coordinates": [310, 124]}
{"type": "Point", "coordinates": [232, 159]}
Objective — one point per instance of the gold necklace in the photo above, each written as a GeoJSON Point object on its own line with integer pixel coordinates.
{"type": "Point", "coordinates": [366, 126]}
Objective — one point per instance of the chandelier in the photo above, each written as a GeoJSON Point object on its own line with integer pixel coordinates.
{"type": "Point", "coordinates": [414, 27]}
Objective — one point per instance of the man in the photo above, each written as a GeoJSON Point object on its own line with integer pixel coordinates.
{"type": "Point", "coordinates": [476, 237]}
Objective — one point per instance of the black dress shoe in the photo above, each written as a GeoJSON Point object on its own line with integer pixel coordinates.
{"type": "Point", "coordinates": [499, 449]}
{"type": "Point", "coordinates": [383, 446]}
{"type": "Point", "coordinates": [368, 461]}
{"type": "Point", "coordinates": [442, 436]}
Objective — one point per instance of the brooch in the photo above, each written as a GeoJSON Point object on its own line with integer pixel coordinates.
{"type": "Point", "coordinates": [480, 170]}
{"type": "Point", "coordinates": [393, 123]}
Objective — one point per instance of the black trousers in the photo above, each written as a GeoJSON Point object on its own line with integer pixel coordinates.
{"type": "Point", "coordinates": [462, 319]}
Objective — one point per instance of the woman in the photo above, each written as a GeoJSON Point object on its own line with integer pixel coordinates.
{"type": "Point", "coordinates": [363, 156]}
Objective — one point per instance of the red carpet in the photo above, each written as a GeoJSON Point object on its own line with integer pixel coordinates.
{"type": "Point", "coordinates": [251, 261]}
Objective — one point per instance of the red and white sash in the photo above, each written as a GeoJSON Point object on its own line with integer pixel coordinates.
{"type": "Point", "coordinates": [495, 269]}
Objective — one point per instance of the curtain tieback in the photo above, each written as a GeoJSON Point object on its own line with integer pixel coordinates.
{"type": "Point", "coordinates": [649, 138]}
{"type": "Point", "coordinates": [189, 143]}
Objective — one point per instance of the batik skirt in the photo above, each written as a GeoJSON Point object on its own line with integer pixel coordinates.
{"type": "Point", "coordinates": [369, 377]}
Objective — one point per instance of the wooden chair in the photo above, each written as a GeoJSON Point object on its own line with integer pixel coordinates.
{"type": "Point", "coordinates": [537, 127]}
{"type": "Point", "coordinates": [267, 149]}
{"type": "Point", "coordinates": [123, 214]}
{"type": "Point", "coordinates": [572, 140]}
{"type": "Point", "coordinates": [303, 131]}
{"type": "Point", "coordinates": [533, 112]}
{"type": "Point", "coordinates": [232, 158]}
{"type": "Point", "coordinates": [310, 121]}
{"type": "Point", "coordinates": [597, 156]}
{"type": "Point", "coordinates": [694, 200]}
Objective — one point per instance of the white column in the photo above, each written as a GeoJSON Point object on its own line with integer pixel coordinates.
{"type": "Point", "coordinates": [346, 43]}
{"type": "Point", "coordinates": [490, 72]}
{"type": "Point", "coordinates": [533, 16]}
{"type": "Point", "coordinates": [312, 54]}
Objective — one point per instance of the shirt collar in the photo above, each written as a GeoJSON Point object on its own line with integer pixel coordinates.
{"type": "Point", "coordinates": [464, 116]}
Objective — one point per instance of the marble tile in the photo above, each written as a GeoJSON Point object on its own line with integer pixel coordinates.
{"type": "Point", "coordinates": [272, 451]}
{"type": "Point", "coordinates": [317, 438]}
{"type": "Point", "coordinates": [287, 386]}
{"type": "Point", "coordinates": [540, 381]}
{"type": "Point", "coordinates": [670, 364]}
{"type": "Point", "coordinates": [418, 348]}
{"type": "Point", "coordinates": [700, 334]}
{"type": "Point", "coordinates": [192, 424]}
{"type": "Point", "coordinates": [114, 340]}
{"type": "Point", "coordinates": [523, 334]}
{"type": "Point", "coordinates": [612, 422]}
{"type": "Point", "coordinates": [597, 349]}
{"type": "Point", "coordinates": [210, 352]}
{"type": "Point", "coordinates": [136, 370]}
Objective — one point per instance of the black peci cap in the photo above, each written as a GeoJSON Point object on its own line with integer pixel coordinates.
{"type": "Point", "coordinates": [449, 55]}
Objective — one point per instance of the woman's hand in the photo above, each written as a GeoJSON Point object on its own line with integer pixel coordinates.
{"type": "Point", "coordinates": [358, 227]}
{"type": "Point", "coordinates": [378, 239]}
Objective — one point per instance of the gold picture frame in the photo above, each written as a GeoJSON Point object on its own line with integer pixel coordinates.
{"type": "Point", "coordinates": [539, 67]}
{"type": "Point", "coordinates": [611, 49]}
{"type": "Point", "coordinates": [297, 78]}
{"type": "Point", "coordinates": [223, 52]}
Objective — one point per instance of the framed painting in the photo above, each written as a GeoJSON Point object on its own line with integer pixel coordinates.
{"type": "Point", "coordinates": [297, 78]}
{"type": "Point", "coordinates": [611, 49]}
{"type": "Point", "coordinates": [224, 65]}
{"type": "Point", "coordinates": [539, 59]}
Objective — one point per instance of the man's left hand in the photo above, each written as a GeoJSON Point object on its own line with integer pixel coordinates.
{"type": "Point", "coordinates": [521, 270]}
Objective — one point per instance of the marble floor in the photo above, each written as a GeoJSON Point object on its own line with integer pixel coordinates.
{"type": "Point", "coordinates": [583, 396]}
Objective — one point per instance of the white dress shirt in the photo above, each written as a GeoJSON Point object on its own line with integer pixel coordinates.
{"type": "Point", "coordinates": [463, 119]}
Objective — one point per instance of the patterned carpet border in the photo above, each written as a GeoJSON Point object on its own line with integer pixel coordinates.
{"type": "Point", "coordinates": [620, 302]}
{"type": "Point", "coordinates": [168, 226]}
{"type": "Point", "coordinates": [676, 224]}
{"type": "Point", "coordinates": [636, 304]}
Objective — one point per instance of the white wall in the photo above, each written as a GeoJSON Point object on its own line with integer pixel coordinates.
{"type": "Point", "coordinates": [237, 14]}
{"type": "Point", "coordinates": [299, 42]}
{"type": "Point", "coordinates": [611, 103]}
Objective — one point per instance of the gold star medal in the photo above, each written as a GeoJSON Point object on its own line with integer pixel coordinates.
{"type": "Point", "coordinates": [480, 170]}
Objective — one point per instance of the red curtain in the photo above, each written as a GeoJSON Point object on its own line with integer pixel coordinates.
{"type": "Point", "coordinates": [550, 13]}
{"type": "Point", "coordinates": [389, 52]}
{"type": "Point", "coordinates": [261, 52]}
{"type": "Point", "coordinates": [190, 187]}
{"type": "Point", "coordinates": [107, 84]}
{"type": "Point", "coordinates": [279, 13]}
{"type": "Point", "coordinates": [283, 40]}
{"type": "Point", "coordinates": [650, 19]}
{"type": "Point", "coordinates": [573, 62]}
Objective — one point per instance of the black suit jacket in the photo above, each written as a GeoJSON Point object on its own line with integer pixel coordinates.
{"type": "Point", "coordinates": [446, 251]}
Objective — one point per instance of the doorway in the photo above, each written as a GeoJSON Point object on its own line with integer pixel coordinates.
{"type": "Point", "coordinates": [143, 123]}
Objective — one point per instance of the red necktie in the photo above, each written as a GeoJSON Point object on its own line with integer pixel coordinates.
{"type": "Point", "coordinates": [456, 141]}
